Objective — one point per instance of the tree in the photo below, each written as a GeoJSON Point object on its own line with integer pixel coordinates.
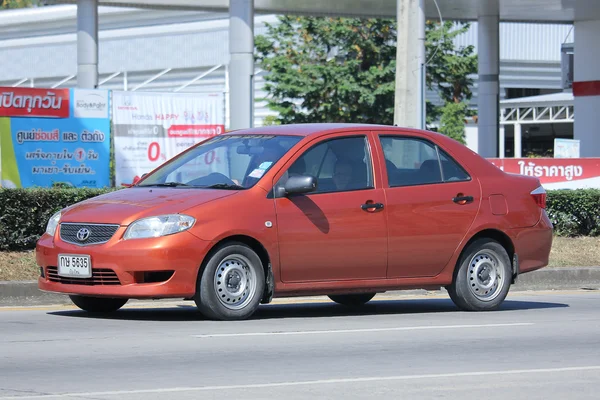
{"type": "Point", "coordinates": [5, 4]}
{"type": "Point", "coordinates": [452, 121]}
{"type": "Point", "coordinates": [450, 71]}
{"type": "Point", "coordinates": [329, 69]}
{"type": "Point", "coordinates": [343, 70]}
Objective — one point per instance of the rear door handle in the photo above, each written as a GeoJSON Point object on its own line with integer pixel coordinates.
{"type": "Point", "coordinates": [372, 206]}
{"type": "Point", "coordinates": [463, 199]}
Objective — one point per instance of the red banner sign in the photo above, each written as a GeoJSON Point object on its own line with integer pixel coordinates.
{"type": "Point", "coordinates": [34, 102]}
{"type": "Point", "coordinates": [555, 173]}
{"type": "Point", "coordinates": [196, 131]}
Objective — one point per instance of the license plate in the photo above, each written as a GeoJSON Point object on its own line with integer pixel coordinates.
{"type": "Point", "coordinates": [74, 266]}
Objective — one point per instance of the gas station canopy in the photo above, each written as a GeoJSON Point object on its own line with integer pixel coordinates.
{"type": "Point", "coordinates": [510, 10]}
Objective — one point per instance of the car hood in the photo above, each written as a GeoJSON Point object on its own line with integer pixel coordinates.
{"type": "Point", "coordinates": [127, 205]}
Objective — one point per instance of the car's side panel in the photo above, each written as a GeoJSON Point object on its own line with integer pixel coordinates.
{"type": "Point", "coordinates": [533, 244]}
{"type": "Point", "coordinates": [327, 236]}
{"type": "Point", "coordinates": [249, 213]}
{"type": "Point", "coordinates": [522, 211]}
{"type": "Point", "coordinates": [425, 225]}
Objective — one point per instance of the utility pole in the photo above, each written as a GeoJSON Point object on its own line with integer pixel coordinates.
{"type": "Point", "coordinates": [409, 101]}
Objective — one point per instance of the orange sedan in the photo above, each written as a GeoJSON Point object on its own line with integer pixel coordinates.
{"type": "Point", "coordinates": [342, 210]}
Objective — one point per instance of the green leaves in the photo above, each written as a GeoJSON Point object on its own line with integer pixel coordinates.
{"type": "Point", "coordinates": [24, 213]}
{"type": "Point", "coordinates": [450, 71]}
{"type": "Point", "coordinates": [452, 122]}
{"type": "Point", "coordinates": [575, 212]}
{"type": "Point", "coordinates": [329, 69]}
{"type": "Point", "coordinates": [19, 3]}
{"type": "Point", "coordinates": [343, 70]}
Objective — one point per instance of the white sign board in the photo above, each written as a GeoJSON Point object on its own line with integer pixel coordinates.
{"type": "Point", "coordinates": [151, 128]}
{"type": "Point", "coordinates": [566, 148]}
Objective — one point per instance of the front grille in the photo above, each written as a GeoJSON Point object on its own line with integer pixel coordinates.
{"type": "Point", "coordinates": [97, 233]}
{"type": "Point", "coordinates": [99, 277]}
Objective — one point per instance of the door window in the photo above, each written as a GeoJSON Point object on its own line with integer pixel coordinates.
{"type": "Point", "coordinates": [412, 161]}
{"type": "Point", "coordinates": [339, 165]}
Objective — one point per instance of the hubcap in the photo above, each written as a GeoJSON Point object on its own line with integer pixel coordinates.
{"type": "Point", "coordinates": [485, 276]}
{"type": "Point", "coordinates": [235, 282]}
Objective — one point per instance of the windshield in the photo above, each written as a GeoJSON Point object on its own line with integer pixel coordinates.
{"type": "Point", "coordinates": [225, 162]}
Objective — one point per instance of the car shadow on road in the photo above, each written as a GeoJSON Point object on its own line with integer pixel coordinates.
{"type": "Point", "coordinates": [323, 309]}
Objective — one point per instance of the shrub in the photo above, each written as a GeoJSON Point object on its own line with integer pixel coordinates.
{"type": "Point", "coordinates": [575, 212]}
{"type": "Point", "coordinates": [24, 213]}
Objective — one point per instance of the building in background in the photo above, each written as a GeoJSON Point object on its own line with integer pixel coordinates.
{"type": "Point", "coordinates": [187, 51]}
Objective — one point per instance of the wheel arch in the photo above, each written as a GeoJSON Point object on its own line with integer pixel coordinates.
{"type": "Point", "coordinates": [257, 247]}
{"type": "Point", "coordinates": [497, 235]}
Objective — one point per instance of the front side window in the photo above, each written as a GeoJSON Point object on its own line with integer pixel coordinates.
{"type": "Point", "coordinates": [339, 165]}
{"type": "Point", "coordinates": [226, 161]}
{"type": "Point", "coordinates": [411, 161]}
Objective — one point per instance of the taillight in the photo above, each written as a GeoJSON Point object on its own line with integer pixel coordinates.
{"type": "Point", "coordinates": [539, 196]}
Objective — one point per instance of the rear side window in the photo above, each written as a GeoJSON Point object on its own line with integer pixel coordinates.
{"type": "Point", "coordinates": [412, 161]}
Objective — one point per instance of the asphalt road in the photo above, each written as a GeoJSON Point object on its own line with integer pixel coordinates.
{"type": "Point", "coordinates": [539, 346]}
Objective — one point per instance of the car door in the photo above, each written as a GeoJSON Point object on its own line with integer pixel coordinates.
{"type": "Point", "coordinates": [336, 232]}
{"type": "Point", "coordinates": [431, 203]}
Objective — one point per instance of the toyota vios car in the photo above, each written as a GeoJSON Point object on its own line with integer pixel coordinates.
{"type": "Point", "coordinates": [341, 210]}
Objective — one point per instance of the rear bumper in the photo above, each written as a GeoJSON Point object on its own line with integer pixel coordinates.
{"type": "Point", "coordinates": [178, 257]}
{"type": "Point", "coordinates": [532, 245]}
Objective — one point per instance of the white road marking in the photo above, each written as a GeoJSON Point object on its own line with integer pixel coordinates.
{"type": "Point", "coordinates": [402, 328]}
{"type": "Point", "coordinates": [308, 383]}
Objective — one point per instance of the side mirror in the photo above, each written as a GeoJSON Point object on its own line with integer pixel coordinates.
{"type": "Point", "coordinates": [143, 175]}
{"type": "Point", "coordinates": [300, 184]}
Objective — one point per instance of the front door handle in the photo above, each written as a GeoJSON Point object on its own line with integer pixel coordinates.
{"type": "Point", "coordinates": [463, 199]}
{"type": "Point", "coordinates": [372, 206]}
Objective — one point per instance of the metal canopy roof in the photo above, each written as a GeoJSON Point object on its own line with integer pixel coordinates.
{"type": "Point", "coordinates": [510, 10]}
{"type": "Point", "coordinates": [544, 109]}
{"type": "Point", "coordinates": [545, 100]}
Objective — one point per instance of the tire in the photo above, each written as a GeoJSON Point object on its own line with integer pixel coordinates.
{"type": "Point", "coordinates": [352, 300]}
{"type": "Point", "coordinates": [221, 293]}
{"type": "Point", "coordinates": [98, 304]}
{"type": "Point", "coordinates": [483, 277]}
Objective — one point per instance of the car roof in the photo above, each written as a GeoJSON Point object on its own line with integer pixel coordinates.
{"type": "Point", "coordinates": [311, 129]}
{"type": "Point", "coordinates": [478, 163]}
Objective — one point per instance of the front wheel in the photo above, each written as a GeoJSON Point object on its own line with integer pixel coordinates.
{"type": "Point", "coordinates": [98, 304]}
{"type": "Point", "coordinates": [231, 284]}
{"type": "Point", "coordinates": [352, 300]}
{"type": "Point", "coordinates": [483, 278]}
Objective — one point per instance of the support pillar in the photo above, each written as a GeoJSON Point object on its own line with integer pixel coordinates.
{"type": "Point", "coordinates": [586, 87]}
{"type": "Point", "coordinates": [488, 91]}
{"type": "Point", "coordinates": [241, 64]}
{"type": "Point", "coordinates": [409, 99]}
{"type": "Point", "coordinates": [87, 44]}
{"type": "Point", "coordinates": [518, 141]}
{"type": "Point", "coordinates": [502, 143]}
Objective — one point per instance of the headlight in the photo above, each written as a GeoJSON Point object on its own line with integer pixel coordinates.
{"type": "Point", "coordinates": [53, 224]}
{"type": "Point", "coordinates": [159, 226]}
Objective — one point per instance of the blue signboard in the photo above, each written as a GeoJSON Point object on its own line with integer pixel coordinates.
{"type": "Point", "coordinates": [73, 151]}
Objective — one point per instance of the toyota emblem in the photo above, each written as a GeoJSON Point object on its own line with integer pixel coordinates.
{"type": "Point", "coordinates": [83, 234]}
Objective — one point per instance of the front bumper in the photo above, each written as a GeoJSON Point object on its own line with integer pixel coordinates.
{"type": "Point", "coordinates": [173, 261]}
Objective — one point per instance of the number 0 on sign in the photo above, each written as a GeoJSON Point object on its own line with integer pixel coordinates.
{"type": "Point", "coordinates": [74, 266]}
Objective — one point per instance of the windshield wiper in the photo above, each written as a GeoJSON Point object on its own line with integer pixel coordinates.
{"type": "Point", "coordinates": [228, 186]}
{"type": "Point", "coordinates": [166, 184]}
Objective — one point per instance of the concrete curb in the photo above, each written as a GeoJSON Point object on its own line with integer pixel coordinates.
{"type": "Point", "coordinates": [26, 293]}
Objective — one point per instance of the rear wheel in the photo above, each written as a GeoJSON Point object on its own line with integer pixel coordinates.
{"type": "Point", "coordinates": [231, 284]}
{"type": "Point", "coordinates": [352, 300]}
{"type": "Point", "coordinates": [483, 278]}
{"type": "Point", "coordinates": [98, 304]}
